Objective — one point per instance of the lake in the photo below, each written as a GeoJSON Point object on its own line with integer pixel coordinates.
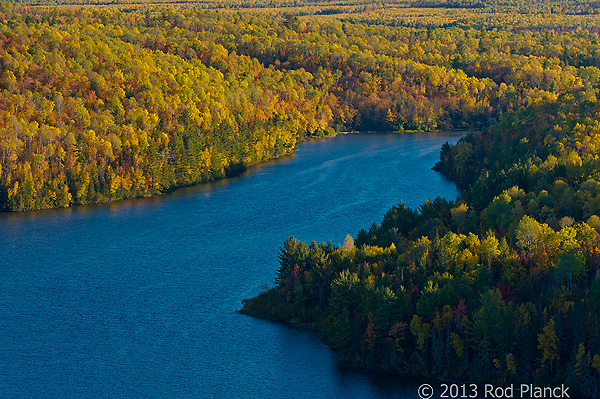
{"type": "Point", "coordinates": [138, 298]}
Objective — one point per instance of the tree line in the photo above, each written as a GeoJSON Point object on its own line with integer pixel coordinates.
{"type": "Point", "coordinates": [501, 286]}
{"type": "Point", "coordinates": [99, 105]}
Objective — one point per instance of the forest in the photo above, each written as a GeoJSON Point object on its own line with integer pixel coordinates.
{"type": "Point", "coordinates": [112, 100]}
{"type": "Point", "coordinates": [501, 286]}
{"type": "Point", "coordinates": [99, 104]}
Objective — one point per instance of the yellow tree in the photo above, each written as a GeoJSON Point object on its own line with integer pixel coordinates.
{"type": "Point", "coordinates": [548, 343]}
{"type": "Point", "coordinates": [529, 233]}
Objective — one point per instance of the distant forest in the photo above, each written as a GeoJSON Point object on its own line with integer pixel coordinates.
{"type": "Point", "coordinates": [105, 103]}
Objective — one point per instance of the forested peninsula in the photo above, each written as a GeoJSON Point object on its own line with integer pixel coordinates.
{"type": "Point", "coordinates": [503, 284]}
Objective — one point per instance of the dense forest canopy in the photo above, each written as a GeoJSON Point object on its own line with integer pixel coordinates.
{"type": "Point", "coordinates": [98, 104]}
{"type": "Point", "coordinates": [127, 99]}
{"type": "Point", "coordinates": [500, 286]}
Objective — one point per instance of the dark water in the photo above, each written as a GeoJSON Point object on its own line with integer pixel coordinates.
{"type": "Point", "coordinates": [137, 299]}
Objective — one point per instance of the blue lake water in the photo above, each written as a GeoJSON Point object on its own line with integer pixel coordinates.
{"type": "Point", "coordinates": [137, 299]}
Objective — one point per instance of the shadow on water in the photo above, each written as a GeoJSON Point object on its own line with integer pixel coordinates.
{"type": "Point", "coordinates": [209, 188]}
{"type": "Point", "coordinates": [137, 298]}
{"type": "Point", "coordinates": [198, 190]}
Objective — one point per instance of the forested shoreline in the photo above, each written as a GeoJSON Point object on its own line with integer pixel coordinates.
{"type": "Point", "coordinates": [98, 105]}
{"type": "Point", "coordinates": [503, 285]}
{"type": "Point", "coordinates": [500, 286]}
{"type": "Point", "coordinates": [94, 112]}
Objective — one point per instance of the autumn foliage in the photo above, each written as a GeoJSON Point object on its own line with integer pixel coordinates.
{"type": "Point", "coordinates": [99, 105]}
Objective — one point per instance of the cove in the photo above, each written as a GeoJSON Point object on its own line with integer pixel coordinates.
{"type": "Point", "coordinates": [139, 298]}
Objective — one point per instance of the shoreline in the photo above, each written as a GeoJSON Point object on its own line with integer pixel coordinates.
{"type": "Point", "coordinates": [238, 172]}
{"type": "Point", "coordinates": [313, 327]}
